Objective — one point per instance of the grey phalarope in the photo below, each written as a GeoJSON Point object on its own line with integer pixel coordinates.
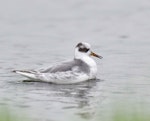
{"type": "Point", "coordinates": [81, 68]}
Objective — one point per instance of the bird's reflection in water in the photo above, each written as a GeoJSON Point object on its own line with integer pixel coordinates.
{"type": "Point", "coordinates": [82, 98]}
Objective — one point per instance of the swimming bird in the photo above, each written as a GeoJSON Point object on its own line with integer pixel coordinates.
{"type": "Point", "coordinates": [81, 68]}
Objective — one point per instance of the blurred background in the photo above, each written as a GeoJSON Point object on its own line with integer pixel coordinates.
{"type": "Point", "coordinates": [38, 33]}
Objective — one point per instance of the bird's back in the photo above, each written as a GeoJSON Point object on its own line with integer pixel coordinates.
{"type": "Point", "coordinates": [68, 66]}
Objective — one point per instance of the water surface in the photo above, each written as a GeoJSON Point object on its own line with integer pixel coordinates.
{"type": "Point", "coordinates": [35, 34]}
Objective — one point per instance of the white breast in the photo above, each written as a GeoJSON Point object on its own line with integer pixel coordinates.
{"type": "Point", "coordinates": [93, 66]}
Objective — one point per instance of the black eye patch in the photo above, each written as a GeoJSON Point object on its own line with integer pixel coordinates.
{"type": "Point", "coordinates": [83, 50]}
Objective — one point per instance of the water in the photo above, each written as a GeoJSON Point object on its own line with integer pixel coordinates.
{"type": "Point", "coordinates": [35, 34]}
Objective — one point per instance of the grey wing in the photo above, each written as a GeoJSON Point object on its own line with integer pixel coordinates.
{"type": "Point", "coordinates": [65, 66]}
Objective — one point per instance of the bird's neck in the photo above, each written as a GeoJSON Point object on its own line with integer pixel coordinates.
{"type": "Point", "coordinates": [92, 65]}
{"type": "Point", "coordinates": [89, 61]}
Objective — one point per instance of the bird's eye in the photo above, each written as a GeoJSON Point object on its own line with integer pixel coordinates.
{"type": "Point", "coordinates": [85, 50]}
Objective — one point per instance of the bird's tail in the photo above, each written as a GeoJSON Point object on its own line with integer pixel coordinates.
{"type": "Point", "coordinates": [28, 74]}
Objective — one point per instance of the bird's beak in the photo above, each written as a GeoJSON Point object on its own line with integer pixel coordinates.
{"type": "Point", "coordinates": [95, 55]}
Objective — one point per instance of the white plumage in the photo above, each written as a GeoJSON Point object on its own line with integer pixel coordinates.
{"type": "Point", "coordinates": [81, 68]}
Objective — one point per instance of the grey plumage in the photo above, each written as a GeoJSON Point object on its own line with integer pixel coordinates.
{"type": "Point", "coordinates": [68, 66]}
{"type": "Point", "coordinates": [80, 69]}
